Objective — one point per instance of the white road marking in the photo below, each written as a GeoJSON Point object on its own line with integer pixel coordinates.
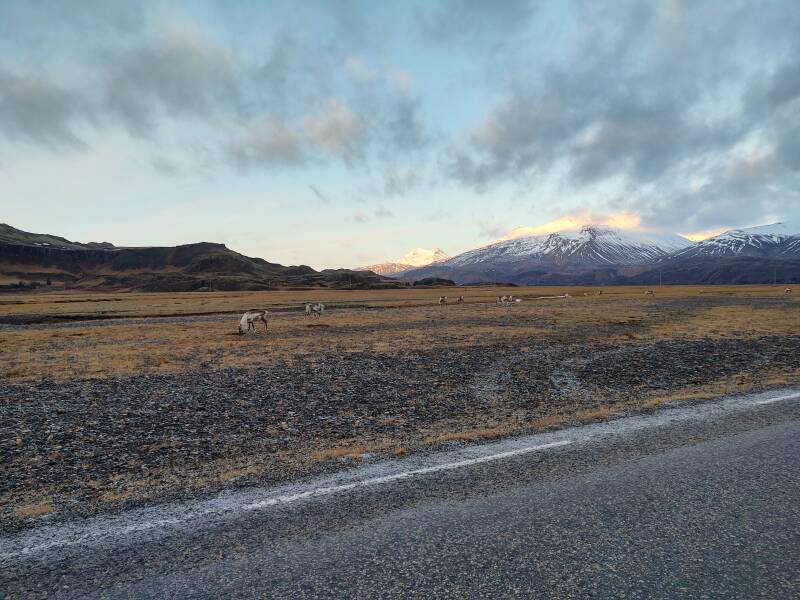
{"type": "Point", "coordinates": [324, 491]}
{"type": "Point", "coordinates": [778, 398]}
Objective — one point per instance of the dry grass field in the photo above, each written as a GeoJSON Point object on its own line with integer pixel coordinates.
{"type": "Point", "coordinates": [62, 336]}
{"type": "Point", "coordinates": [110, 400]}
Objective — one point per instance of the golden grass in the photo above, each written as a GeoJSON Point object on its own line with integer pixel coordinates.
{"type": "Point", "coordinates": [231, 474]}
{"type": "Point", "coordinates": [729, 385]}
{"type": "Point", "coordinates": [114, 495]}
{"type": "Point", "coordinates": [351, 451]}
{"type": "Point", "coordinates": [597, 413]}
{"type": "Point", "coordinates": [470, 435]}
{"type": "Point", "coordinates": [32, 511]}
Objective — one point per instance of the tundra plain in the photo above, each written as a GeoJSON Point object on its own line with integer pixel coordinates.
{"type": "Point", "coordinates": [115, 400]}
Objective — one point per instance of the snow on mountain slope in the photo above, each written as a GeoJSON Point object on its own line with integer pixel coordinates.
{"type": "Point", "coordinates": [591, 246]}
{"type": "Point", "coordinates": [775, 240]}
{"type": "Point", "coordinates": [418, 257]}
{"type": "Point", "coordinates": [387, 269]}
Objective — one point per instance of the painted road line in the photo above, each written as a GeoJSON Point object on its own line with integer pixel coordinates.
{"type": "Point", "coordinates": [778, 398]}
{"type": "Point", "coordinates": [326, 491]}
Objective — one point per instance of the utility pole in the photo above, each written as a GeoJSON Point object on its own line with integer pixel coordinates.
{"type": "Point", "coordinates": [659, 278]}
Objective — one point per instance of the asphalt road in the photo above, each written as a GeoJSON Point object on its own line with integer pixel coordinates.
{"type": "Point", "coordinates": [698, 502]}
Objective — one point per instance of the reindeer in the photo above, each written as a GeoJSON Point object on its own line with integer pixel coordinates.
{"type": "Point", "coordinates": [314, 310]}
{"type": "Point", "coordinates": [442, 300]}
{"type": "Point", "coordinates": [787, 291]}
{"type": "Point", "coordinates": [460, 300]}
{"type": "Point", "coordinates": [508, 300]}
{"type": "Point", "coordinates": [248, 321]}
{"type": "Point", "coordinates": [649, 293]}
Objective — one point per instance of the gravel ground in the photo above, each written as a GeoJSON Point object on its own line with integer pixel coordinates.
{"type": "Point", "coordinates": [96, 444]}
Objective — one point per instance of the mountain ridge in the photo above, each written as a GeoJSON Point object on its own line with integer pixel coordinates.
{"type": "Point", "coordinates": [605, 255]}
{"type": "Point", "coordinates": [30, 260]}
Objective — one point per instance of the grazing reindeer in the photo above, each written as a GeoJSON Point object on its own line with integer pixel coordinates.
{"type": "Point", "coordinates": [248, 321]}
{"type": "Point", "coordinates": [460, 300]}
{"type": "Point", "coordinates": [508, 300]}
{"type": "Point", "coordinates": [787, 291]}
{"type": "Point", "coordinates": [442, 300]}
{"type": "Point", "coordinates": [315, 310]}
{"type": "Point", "coordinates": [649, 293]}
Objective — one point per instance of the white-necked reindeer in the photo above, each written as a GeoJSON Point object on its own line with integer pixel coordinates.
{"type": "Point", "coordinates": [787, 291]}
{"type": "Point", "coordinates": [248, 321]}
{"type": "Point", "coordinates": [442, 300]}
{"type": "Point", "coordinates": [315, 310]}
{"type": "Point", "coordinates": [460, 300]}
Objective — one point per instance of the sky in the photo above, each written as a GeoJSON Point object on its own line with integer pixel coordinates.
{"type": "Point", "coordinates": [345, 133]}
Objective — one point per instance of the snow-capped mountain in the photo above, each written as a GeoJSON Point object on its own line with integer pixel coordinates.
{"type": "Point", "coordinates": [418, 257]}
{"type": "Point", "coordinates": [600, 254]}
{"type": "Point", "coordinates": [780, 240]}
{"type": "Point", "coordinates": [589, 246]}
{"type": "Point", "coordinates": [567, 255]}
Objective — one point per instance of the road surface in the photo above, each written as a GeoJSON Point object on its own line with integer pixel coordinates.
{"type": "Point", "coordinates": [690, 502]}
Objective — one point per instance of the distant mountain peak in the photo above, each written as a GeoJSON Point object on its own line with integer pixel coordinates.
{"type": "Point", "coordinates": [419, 257]}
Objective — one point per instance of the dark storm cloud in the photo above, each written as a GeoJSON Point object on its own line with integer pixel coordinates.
{"type": "Point", "coordinates": [656, 93]}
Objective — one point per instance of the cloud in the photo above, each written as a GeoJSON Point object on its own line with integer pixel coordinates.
{"type": "Point", "coordinates": [267, 144]}
{"type": "Point", "coordinates": [404, 126]}
{"type": "Point", "coordinates": [621, 220]}
{"type": "Point", "coordinates": [698, 236]}
{"type": "Point", "coordinates": [358, 70]}
{"type": "Point", "coordinates": [164, 166]}
{"type": "Point", "coordinates": [651, 98]}
{"type": "Point", "coordinates": [383, 213]}
{"type": "Point", "coordinates": [400, 184]}
{"type": "Point", "coordinates": [490, 230]}
{"type": "Point", "coordinates": [474, 20]}
{"type": "Point", "coordinates": [176, 74]}
{"type": "Point", "coordinates": [337, 131]}
{"type": "Point", "coordinates": [400, 79]}
{"type": "Point", "coordinates": [318, 194]}
{"type": "Point", "coordinates": [37, 110]}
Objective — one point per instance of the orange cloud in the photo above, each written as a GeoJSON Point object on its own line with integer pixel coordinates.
{"type": "Point", "coordinates": [620, 220]}
{"type": "Point", "coordinates": [699, 236]}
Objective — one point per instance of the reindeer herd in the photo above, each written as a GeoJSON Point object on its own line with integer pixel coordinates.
{"type": "Point", "coordinates": [314, 310]}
